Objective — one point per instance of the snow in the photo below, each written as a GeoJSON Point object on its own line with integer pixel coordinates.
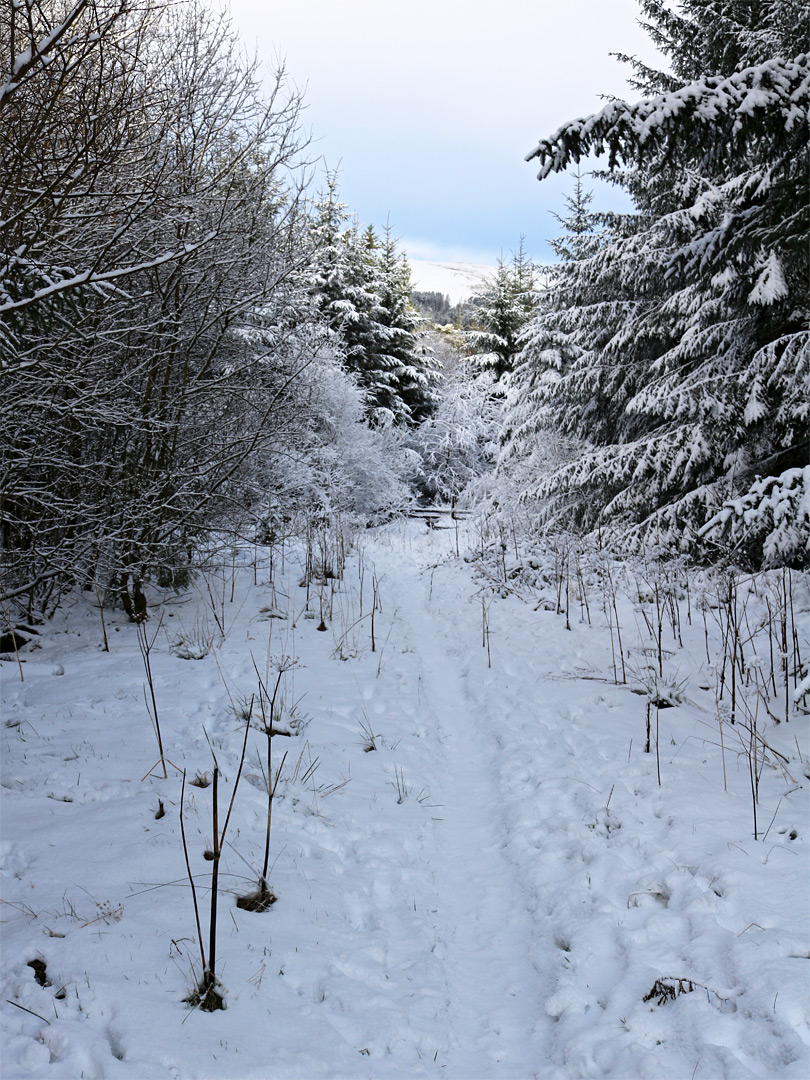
{"type": "Point", "coordinates": [492, 891]}
{"type": "Point", "coordinates": [770, 284]}
{"type": "Point", "coordinates": [459, 281]}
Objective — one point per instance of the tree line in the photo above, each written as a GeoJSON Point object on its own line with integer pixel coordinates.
{"type": "Point", "coordinates": [191, 341]}
{"type": "Point", "coordinates": [185, 339]}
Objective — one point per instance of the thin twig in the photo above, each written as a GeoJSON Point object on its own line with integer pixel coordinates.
{"type": "Point", "coordinates": [31, 1011]}
{"type": "Point", "coordinates": [190, 875]}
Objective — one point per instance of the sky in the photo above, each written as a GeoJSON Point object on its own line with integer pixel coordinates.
{"type": "Point", "coordinates": [428, 109]}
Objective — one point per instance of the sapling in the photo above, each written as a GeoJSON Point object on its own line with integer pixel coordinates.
{"type": "Point", "coordinates": [207, 994]}
{"type": "Point", "coordinates": [619, 638]}
{"type": "Point", "coordinates": [611, 610]}
{"type": "Point", "coordinates": [688, 599]}
{"type": "Point", "coordinates": [750, 749]}
{"type": "Point", "coordinates": [797, 658]}
{"type": "Point", "coordinates": [502, 545]}
{"type": "Point", "coordinates": [233, 570]}
{"type": "Point", "coordinates": [787, 644]}
{"type": "Point", "coordinates": [101, 613]}
{"type": "Point", "coordinates": [567, 588]}
{"type": "Point", "coordinates": [204, 966]}
{"type": "Point", "coordinates": [656, 628]}
{"type": "Point", "coordinates": [612, 645]}
{"type": "Point", "coordinates": [375, 606]}
{"type": "Point", "coordinates": [583, 591]}
{"type": "Point", "coordinates": [264, 897]}
{"type": "Point", "coordinates": [770, 611]}
{"type": "Point", "coordinates": [673, 608]}
{"type": "Point", "coordinates": [145, 645]}
{"type": "Point", "coordinates": [722, 748]}
{"type": "Point", "coordinates": [485, 631]}
{"type": "Point", "coordinates": [734, 640]}
{"type": "Point", "coordinates": [559, 559]}
{"type": "Point", "coordinates": [727, 614]}
{"type": "Point", "coordinates": [14, 642]}
{"type": "Point", "coordinates": [361, 573]}
{"type": "Point", "coordinates": [514, 533]}
{"type": "Point", "coordinates": [703, 605]}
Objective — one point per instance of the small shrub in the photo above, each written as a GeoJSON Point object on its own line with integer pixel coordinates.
{"type": "Point", "coordinates": [667, 989]}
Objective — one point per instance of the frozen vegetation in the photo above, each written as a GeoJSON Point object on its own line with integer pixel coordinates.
{"type": "Point", "coordinates": [296, 785]}
{"type": "Point", "coordinates": [543, 816]}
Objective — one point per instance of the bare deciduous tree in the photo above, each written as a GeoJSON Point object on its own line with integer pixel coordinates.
{"type": "Point", "coordinates": [151, 222]}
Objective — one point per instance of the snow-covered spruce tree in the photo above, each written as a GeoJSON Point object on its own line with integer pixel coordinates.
{"type": "Point", "coordinates": [345, 284]}
{"type": "Point", "coordinates": [501, 313]}
{"type": "Point", "coordinates": [406, 356]}
{"type": "Point", "coordinates": [690, 378]}
{"type": "Point", "coordinates": [533, 440]}
{"type": "Point", "coordinates": [362, 287]}
{"type": "Point", "coordinates": [150, 209]}
{"type": "Point", "coordinates": [335, 240]}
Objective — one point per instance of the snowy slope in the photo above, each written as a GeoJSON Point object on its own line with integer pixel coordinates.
{"type": "Point", "coordinates": [478, 872]}
{"type": "Point", "coordinates": [459, 281]}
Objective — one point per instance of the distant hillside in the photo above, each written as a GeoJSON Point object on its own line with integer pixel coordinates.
{"type": "Point", "coordinates": [457, 281]}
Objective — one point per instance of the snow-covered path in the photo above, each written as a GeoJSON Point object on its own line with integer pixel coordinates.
{"type": "Point", "coordinates": [479, 874]}
{"type": "Point", "coordinates": [481, 922]}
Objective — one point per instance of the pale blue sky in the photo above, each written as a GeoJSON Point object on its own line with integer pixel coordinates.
{"type": "Point", "coordinates": [429, 108]}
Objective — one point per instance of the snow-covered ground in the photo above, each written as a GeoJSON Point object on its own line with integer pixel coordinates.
{"type": "Point", "coordinates": [458, 281]}
{"type": "Point", "coordinates": [478, 872]}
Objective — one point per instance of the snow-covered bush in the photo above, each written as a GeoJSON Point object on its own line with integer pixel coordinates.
{"type": "Point", "coordinates": [457, 444]}
{"type": "Point", "coordinates": [327, 461]}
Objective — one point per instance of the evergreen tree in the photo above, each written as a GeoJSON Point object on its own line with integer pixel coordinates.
{"type": "Point", "coordinates": [346, 286]}
{"type": "Point", "coordinates": [362, 286]}
{"type": "Point", "coordinates": [501, 313]}
{"type": "Point", "coordinates": [340, 274]}
{"type": "Point", "coordinates": [690, 364]}
{"type": "Point", "coordinates": [548, 347]}
{"type": "Point", "coordinates": [410, 362]}
{"type": "Point", "coordinates": [435, 306]}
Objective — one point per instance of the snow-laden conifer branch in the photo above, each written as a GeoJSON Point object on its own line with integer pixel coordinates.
{"type": "Point", "coordinates": [714, 119]}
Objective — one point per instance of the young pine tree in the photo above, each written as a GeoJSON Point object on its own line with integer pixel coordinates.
{"type": "Point", "coordinates": [501, 313]}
